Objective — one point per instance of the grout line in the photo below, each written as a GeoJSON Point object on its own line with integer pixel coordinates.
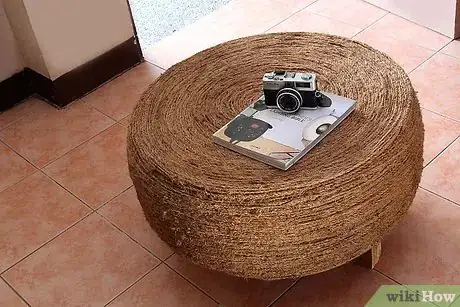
{"type": "Point", "coordinates": [127, 116]}
{"type": "Point", "coordinates": [131, 285]}
{"type": "Point", "coordinates": [112, 198]}
{"type": "Point", "coordinates": [36, 169]}
{"type": "Point", "coordinates": [41, 169]}
{"type": "Point", "coordinates": [92, 210]}
{"type": "Point", "coordinates": [14, 290]}
{"type": "Point", "coordinates": [442, 151]}
{"type": "Point", "coordinates": [443, 115]}
{"type": "Point", "coordinates": [387, 276]}
{"type": "Point", "coordinates": [19, 181]}
{"type": "Point", "coordinates": [192, 283]}
{"type": "Point", "coordinates": [19, 154]}
{"type": "Point", "coordinates": [448, 55]}
{"type": "Point", "coordinates": [296, 12]}
{"type": "Point", "coordinates": [25, 100]}
{"type": "Point", "coordinates": [440, 196]}
{"type": "Point", "coordinates": [83, 201]}
{"type": "Point", "coordinates": [66, 189]}
{"type": "Point", "coordinates": [284, 292]}
{"type": "Point", "coordinates": [150, 62]}
{"type": "Point", "coordinates": [167, 258]}
{"type": "Point", "coordinates": [378, 19]}
{"type": "Point", "coordinates": [431, 30]}
{"type": "Point", "coordinates": [394, 280]}
{"type": "Point", "coordinates": [27, 160]}
{"type": "Point", "coordinates": [419, 65]}
{"type": "Point", "coordinates": [46, 242]}
{"type": "Point", "coordinates": [86, 103]}
{"type": "Point", "coordinates": [380, 8]}
{"type": "Point", "coordinates": [129, 236]}
{"type": "Point", "coordinates": [388, 12]}
{"type": "Point", "coordinates": [362, 29]}
{"type": "Point", "coordinates": [157, 66]}
{"type": "Point", "coordinates": [79, 145]}
{"type": "Point", "coordinates": [454, 302]}
{"type": "Point", "coordinates": [426, 28]}
{"type": "Point", "coordinates": [62, 155]}
{"type": "Point", "coordinates": [14, 121]}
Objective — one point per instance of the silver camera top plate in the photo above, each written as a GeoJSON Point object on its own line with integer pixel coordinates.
{"type": "Point", "coordinates": [277, 80]}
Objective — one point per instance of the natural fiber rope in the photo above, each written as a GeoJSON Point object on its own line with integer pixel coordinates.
{"type": "Point", "coordinates": [227, 212]}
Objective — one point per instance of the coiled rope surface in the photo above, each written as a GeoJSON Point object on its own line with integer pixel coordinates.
{"type": "Point", "coordinates": [227, 212]}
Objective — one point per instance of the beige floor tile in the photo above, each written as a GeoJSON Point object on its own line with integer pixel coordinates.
{"type": "Point", "coordinates": [48, 135]}
{"type": "Point", "coordinates": [97, 171]}
{"type": "Point", "coordinates": [409, 32]}
{"type": "Point", "coordinates": [8, 298]}
{"type": "Point", "coordinates": [357, 13]}
{"type": "Point", "coordinates": [163, 287]}
{"type": "Point", "coordinates": [442, 176]}
{"type": "Point", "coordinates": [118, 97]}
{"type": "Point", "coordinates": [443, 95]}
{"type": "Point", "coordinates": [32, 212]}
{"type": "Point", "coordinates": [86, 266]}
{"type": "Point", "coordinates": [229, 290]}
{"type": "Point", "coordinates": [126, 212]}
{"type": "Point", "coordinates": [439, 133]}
{"type": "Point", "coordinates": [423, 248]}
{"type": "Point", "coordinates": [349, 285]}
{"type": "Point", "coordinates": [13, 167]}
{"type": "Point", "coordinates": [29, 108]}
{"type": "Point", "coordinates": [306, 21]}
{"type": "Point", "coordinates": [408, 55]}
{"type": "Point", "coordinates": [453, 49]}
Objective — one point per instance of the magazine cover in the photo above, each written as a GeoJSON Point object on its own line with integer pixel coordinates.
{"type": "Point", "coordinates": [278, 138]}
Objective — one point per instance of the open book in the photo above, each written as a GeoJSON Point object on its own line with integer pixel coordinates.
{"type": "Point", "coordinates": [281, 139]}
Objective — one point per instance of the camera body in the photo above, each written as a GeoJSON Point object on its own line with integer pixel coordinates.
{"type": "Point", "coordinates": [291, 91]}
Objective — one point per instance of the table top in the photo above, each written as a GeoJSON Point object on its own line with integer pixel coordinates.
{"type": "Point", "coordinates": [345, 194]}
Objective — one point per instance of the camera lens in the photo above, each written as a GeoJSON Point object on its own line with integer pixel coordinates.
{"type": "Point", "coordinates": [289, 100]}
{"type": "Point", "coordinates": [288, 103]}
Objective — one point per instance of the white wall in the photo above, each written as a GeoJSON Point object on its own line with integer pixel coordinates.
{"type": "Point", "coordinates": [71, 33]}
{"type": "Point", "coordinates": [25, 36]}
{"type": "Point", "coordinates": [10, 58]}
{"type": "Point", "coordinates": [437, 15]}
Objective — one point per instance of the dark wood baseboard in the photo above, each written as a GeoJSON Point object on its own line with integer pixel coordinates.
{"type": "Point", "coordinates": [73, 84]}
{"type": "Point", "coordinates": [457, 21]}
{"type": "Point", "coordinates": [14, 90]}
{"type": "Point", "coordinates": [39, 84]}
{"type": "Point", "coordinates": [90, 75]}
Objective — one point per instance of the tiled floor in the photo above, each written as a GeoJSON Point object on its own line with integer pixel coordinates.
{"type": "Point", "coordinates": [72, 232]}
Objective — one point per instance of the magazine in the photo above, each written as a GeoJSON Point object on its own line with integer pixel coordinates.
{"type": "Point", "coordinates": [281, 139]}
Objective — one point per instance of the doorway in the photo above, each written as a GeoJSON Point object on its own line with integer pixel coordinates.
{"type": "Point", "coordinates": [156, 19]}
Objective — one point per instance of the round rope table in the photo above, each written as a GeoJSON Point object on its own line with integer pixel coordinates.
{"type": "Point", "coordinates": [230, 213]}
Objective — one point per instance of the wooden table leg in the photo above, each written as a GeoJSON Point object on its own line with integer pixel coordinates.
{"type": "Point", "coordinates": [370, 258]}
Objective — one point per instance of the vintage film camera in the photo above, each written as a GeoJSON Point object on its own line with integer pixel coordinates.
{"type": "Point", "coordinates": [292, 91]}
